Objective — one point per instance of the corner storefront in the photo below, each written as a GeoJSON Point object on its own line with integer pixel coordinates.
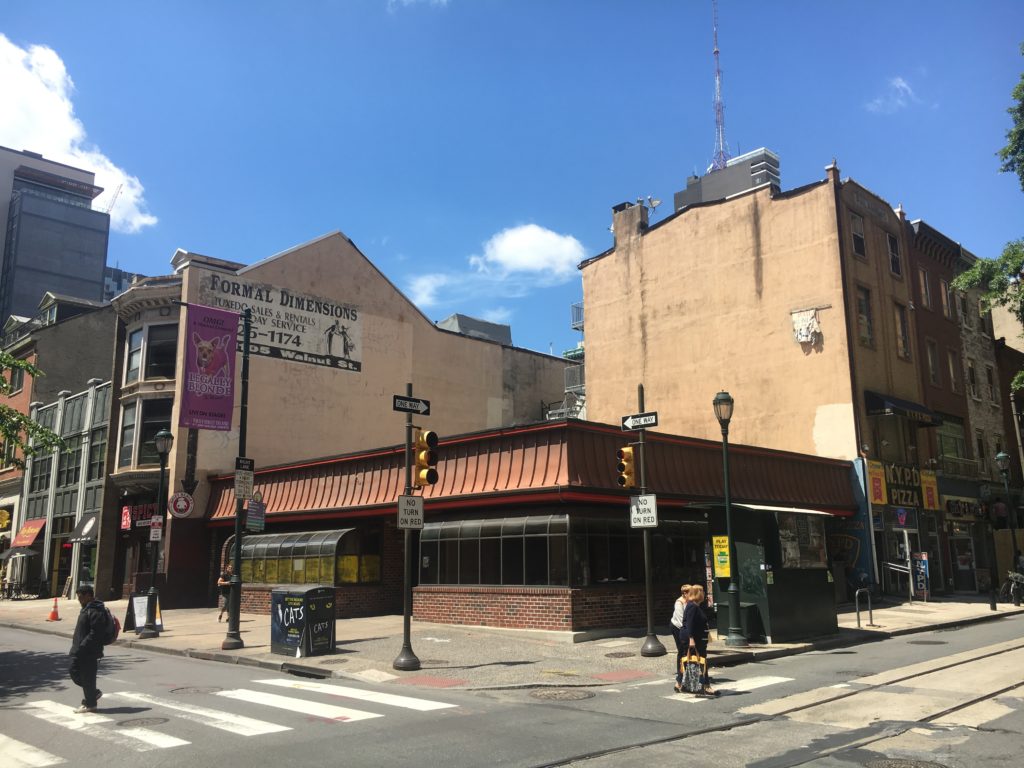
{"type": "Point", "coordinates": [527, 528]}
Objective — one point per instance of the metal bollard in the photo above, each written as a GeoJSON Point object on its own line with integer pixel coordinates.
{"type": "Point", "coordinates": [856, 602]}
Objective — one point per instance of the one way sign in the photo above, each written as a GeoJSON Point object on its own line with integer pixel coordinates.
{"type": "Point", "coordinates": [640, 420]}
{"type": "Point", "coordinates": [411, 405]}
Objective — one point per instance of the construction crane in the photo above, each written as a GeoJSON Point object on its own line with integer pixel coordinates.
{"type": "Point", "coordinates": [113, 198]}
{"type": "Point", "coordinates": [721, 155]}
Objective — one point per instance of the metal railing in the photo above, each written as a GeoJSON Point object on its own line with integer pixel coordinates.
{"type": "Point", "coordinates": [956, 465]}
{"type": "Point", "coordinates": [575, 379]}
{"type": "Point", "coordinates": [577, 316]}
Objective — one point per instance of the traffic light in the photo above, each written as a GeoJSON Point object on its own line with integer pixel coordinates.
{"type": "Point", "coordinates": [626, 468]}
{"type": "Point", "coordinates": [425, 458]}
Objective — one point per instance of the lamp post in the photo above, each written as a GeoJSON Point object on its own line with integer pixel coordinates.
{"type": "Point", "coordinates": [1003, 461]}
{"type": "Point", "coordinates": [723, 403]}
{"type": "Point", "coordinates": [162, 441]}
{"type": "Point", "coordinates": [233, 638]}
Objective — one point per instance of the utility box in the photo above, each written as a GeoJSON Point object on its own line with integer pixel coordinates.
{"type": "Point", "coordinates": [302, 621]}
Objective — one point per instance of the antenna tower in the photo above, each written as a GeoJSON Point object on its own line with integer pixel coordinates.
{"type": "Point", "coordinates": [721, 156]}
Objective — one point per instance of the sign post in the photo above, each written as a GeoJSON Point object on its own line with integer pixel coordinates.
{"type": "Point", "coordinates": [643, 513]}
{"type": "Point", "coordinates": [407, 659]}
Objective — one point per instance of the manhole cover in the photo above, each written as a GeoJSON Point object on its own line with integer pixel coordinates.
{"type": "Point", "coordinates": [620, 655]}
{"type": "Point", "coordinates": [562, 694]}
{"type": "Point", "coordinates": [142, 722]}
{"type": "Point", "coordinates": [197, 689]}
{"type": "Point", "coordinates": [927, 642]}
{"type": "Point", "coordinates": [896, 762]}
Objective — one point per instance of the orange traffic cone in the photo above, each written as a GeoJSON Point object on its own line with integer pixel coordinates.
{"type": "Point", "coordinates": [54, 616]}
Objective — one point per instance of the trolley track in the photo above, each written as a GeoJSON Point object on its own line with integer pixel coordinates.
{"type": "Point", "coordinates": [885, 731]}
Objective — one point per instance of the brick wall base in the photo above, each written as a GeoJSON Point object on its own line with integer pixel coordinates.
{"type": "Point", "coordinates": [553, 608]}
{"type": "Point", "coordinates": [365, 600]}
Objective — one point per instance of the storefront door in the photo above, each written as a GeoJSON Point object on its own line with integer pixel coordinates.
{"type": "Point", "coordinates": [962, 555]}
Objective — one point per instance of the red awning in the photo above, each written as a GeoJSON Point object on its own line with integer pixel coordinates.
{"type": "Point", "coordinates": [28, 532]}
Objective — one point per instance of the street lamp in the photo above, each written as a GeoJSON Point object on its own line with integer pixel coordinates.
{"type": "Point", "coordinates": [723, 403]}
{"type": "Point", "coordinates": [162, 441]}
{"type": "Point", "coordinates": [1003, 460]}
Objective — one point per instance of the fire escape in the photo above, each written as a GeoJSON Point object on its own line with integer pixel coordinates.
{"type": "Point", "coordinates": [574, 404]}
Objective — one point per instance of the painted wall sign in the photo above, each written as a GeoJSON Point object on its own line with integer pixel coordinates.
{"type": "Point", "coordinates": [288, 325]}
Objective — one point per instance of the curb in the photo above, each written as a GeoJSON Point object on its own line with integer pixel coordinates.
{"type": "Point", "coordinates": [731, 658]}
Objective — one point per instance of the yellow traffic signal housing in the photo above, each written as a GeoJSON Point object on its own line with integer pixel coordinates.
{"type": "Point", "coordinates": [626, 468]}
{"type": "Point", "coordinates": [425, 458]}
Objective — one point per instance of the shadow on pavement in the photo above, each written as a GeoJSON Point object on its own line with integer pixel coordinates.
{"type": "Point", "coordinates": [27, 672]}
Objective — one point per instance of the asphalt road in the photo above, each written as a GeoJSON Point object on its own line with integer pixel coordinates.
{"type": "Point", "coordinates": [955, 698]}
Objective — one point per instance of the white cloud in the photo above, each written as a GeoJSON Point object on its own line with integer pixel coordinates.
{"type": "Point", "coordinates": [424, 289]}
{"type": "Point", "coordinates": [497, 315]}
{"type": "Point", "coordinates": [515, 261]}
{"type": "Point", "coordinates": [897, 95]}
{"type": "Point", "coordinates": [39, 115]}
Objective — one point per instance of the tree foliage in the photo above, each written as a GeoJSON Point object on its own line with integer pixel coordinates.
{"type": "Point", "coordinates": [16, 428]}
{"type": "Point", "coordinates": [1000, 279]}
{"type": "Point", "coordinates": [1012, 154]}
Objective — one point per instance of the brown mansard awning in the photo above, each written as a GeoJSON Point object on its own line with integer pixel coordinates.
{"type": "Point", "coordinates": [564, 461]}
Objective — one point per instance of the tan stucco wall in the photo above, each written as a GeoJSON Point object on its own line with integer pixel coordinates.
{"type": "Point", "coordinates": [1008, 327]}
{"type": "Point", "coordinates": [299, 411]}
{"type": "Point", "coordinates": [703, 301]}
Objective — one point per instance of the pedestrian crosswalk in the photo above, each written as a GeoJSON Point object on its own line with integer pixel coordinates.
{"type": "Point", "coordinates": [732, 687]}
{"type": "Point", "coordinates": [268, 696]}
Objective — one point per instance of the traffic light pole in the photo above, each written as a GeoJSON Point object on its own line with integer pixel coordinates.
{"type": "Point", "coordinates": [652, 645]}
{"type": "Point", "coordinates": [406, 659]}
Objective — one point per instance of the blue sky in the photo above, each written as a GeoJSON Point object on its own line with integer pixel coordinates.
{"type": "Point", "coordinates": [473, 149]}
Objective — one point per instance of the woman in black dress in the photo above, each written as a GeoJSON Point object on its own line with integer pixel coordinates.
{"type": "Point", "coordinates": [695, 627]}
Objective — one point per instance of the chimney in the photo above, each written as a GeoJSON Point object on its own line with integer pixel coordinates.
{"type": "Point", "coordinates": [832, 169]}
{"type": "Point", "coordinates": [629, 220]}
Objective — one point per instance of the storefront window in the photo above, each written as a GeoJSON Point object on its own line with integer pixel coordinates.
{"type": "Point", "coordinates": [345, 556]}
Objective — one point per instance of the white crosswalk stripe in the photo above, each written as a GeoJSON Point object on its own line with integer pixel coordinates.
{"type": "Point", "coordinates": [391, 699]}
{"type": "Point", "coordinates": [215, 718]}
{"type": "Point", "coordinates": [308, 699]}
{"type": "Point", "coordinates": [737, 686]}
{"type": "Point", "coordinates": [291, 704]}
{"type": "Point", "coordinates": [17, 754]}
{"type": "Point", "coordinates": [92, 724]}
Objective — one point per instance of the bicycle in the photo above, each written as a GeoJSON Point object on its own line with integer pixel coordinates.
{"type": "Point", "coordinates": [1014, 583]}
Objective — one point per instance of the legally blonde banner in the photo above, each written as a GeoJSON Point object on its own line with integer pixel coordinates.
{"type": "Point", "coordinates": [208, 394]}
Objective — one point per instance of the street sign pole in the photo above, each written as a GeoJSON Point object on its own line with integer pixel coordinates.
{"type": "Point", "coordinates": [652, 645]}
{"type": "Point", "coordinates": [406, 659]}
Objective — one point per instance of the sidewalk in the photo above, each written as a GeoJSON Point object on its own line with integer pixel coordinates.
{"type": "Point", "coordinates": [478, 658]}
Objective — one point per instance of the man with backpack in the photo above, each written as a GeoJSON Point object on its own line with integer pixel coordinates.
{"type": "Point", "coordinates": [94, 629]}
